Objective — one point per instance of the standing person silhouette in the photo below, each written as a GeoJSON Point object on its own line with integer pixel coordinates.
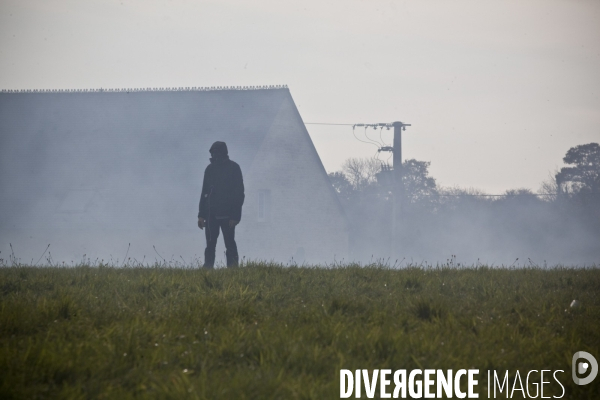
{"type": "Point", "coordinates": [221, 204]}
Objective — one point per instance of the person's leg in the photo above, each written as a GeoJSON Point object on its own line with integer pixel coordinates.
{"type": "Point", "coordinates": [212, 234]}
{"type": "Point", "coordinates": [231, 252]}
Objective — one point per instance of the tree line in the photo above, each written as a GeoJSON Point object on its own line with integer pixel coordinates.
{"type": "Point", "coordinates": [558, 224]}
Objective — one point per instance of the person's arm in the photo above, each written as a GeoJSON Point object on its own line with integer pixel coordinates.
{"type": "Point", "coordinates": [203, 206]}
{"type": "Point", "coordinates": [238, 196]}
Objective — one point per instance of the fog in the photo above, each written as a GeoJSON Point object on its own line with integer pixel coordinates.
{"type": "Point", "coordinates": [115, 177]}
{"type": "Point", "coordinates": [93, 174]}
{"type": "Point", "coordinates": [464, 226]}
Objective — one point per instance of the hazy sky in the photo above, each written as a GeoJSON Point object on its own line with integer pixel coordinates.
{"type": "Point", "coordinates": [496, 92]}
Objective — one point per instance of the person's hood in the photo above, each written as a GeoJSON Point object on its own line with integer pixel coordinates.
{"type": "Point", "coordinates": [218, 151]}
{"type": "Point", "coordinates": [218, 148]}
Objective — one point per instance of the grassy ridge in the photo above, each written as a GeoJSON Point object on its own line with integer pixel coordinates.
{"type": "Point", "coordinates": [264, 331]}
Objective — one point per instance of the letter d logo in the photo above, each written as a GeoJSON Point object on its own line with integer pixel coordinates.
{"type": "Point", "coordinates": [583, 367]}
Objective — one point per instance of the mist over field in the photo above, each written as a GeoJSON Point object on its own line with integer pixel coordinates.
{"type": "Point", "coordinates": [465, 226]}
{"type": "Point", "coordinates": [497, 94]}
{"type": "Point", "coordinates": [92, 172]}
{"type": "Point", "coordinates": [115, 178]}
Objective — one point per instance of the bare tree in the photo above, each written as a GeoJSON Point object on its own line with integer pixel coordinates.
{"type": "Point", "coordinates": [549, 188]}
{"type": "Point", "coordinates": [361, 172]}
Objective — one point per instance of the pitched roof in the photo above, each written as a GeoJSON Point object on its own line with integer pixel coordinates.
{"type": "Point", "coordinates": [49, 126]}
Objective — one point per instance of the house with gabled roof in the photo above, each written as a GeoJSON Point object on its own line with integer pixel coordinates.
{"type": "Point", "coordinates": [110, 173]}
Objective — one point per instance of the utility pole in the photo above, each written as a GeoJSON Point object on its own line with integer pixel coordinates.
{"type": "Point", "coordinates": [398, 187]}
{"type": "Point", "coordinates": [397, 184]}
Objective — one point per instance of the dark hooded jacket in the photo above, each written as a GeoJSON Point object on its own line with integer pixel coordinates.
{"type": "Point", "coordinates": [223, 186]}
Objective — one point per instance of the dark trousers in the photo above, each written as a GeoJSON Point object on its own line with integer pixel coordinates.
{"type": "Point", "coordinates": [213, 226]}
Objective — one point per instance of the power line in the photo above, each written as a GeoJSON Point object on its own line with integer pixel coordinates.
{"type": "Point", "coordinates": [355, 137]}
{"type": "Point", "coordinates": [371, 140]}
{"type": "Point", "coordinates": [382, 125]}
{"type": "Point", "coordinates": [509, 194]}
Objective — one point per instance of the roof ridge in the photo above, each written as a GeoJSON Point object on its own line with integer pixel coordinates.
{"type": "Point", "coordinates": [161, 89]}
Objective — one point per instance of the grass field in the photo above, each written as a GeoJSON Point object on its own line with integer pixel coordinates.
{"type": "Point", "coordinates": [271, 332]}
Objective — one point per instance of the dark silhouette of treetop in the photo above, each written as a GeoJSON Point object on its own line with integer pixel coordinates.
{"type": "Point", "coordinates": [583, 174]}
{"type": "Point", "coordinates": [417, 182]}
